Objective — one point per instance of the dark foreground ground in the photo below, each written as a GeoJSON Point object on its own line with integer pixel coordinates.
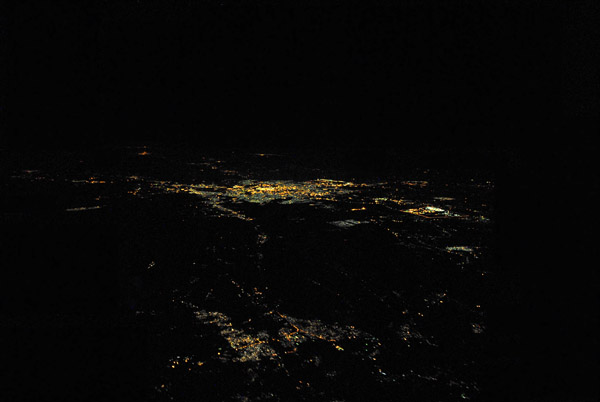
{"type": "Point", "coordinates": [162, 275]}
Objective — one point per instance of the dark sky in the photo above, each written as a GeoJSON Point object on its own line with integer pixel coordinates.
{"type": "Point", "coordinates": [296, 73]}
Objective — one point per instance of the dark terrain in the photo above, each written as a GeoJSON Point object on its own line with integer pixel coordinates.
{"type": "Point", "coordinates": [239, 276]}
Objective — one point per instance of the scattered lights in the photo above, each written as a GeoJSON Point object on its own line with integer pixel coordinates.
{"type": "Point", "coordinates": [262, 192]}
{"type": "Point", "coordinates": [84, 208]}
{"type": "Point", "coordinates": [415, 183]}
{"type": "Point", "coordinates": [249, 348]}
{"type": "Point", "coordinates": [432, 212]}
{"type": "Point", "coordinates": [94, 180]}
{"type": "Point", "coordinates": [346, 223]}
{"type": "Point", "coordinates": [294, 332]}
{"type": "Point", "coordinates": [460, 248]}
